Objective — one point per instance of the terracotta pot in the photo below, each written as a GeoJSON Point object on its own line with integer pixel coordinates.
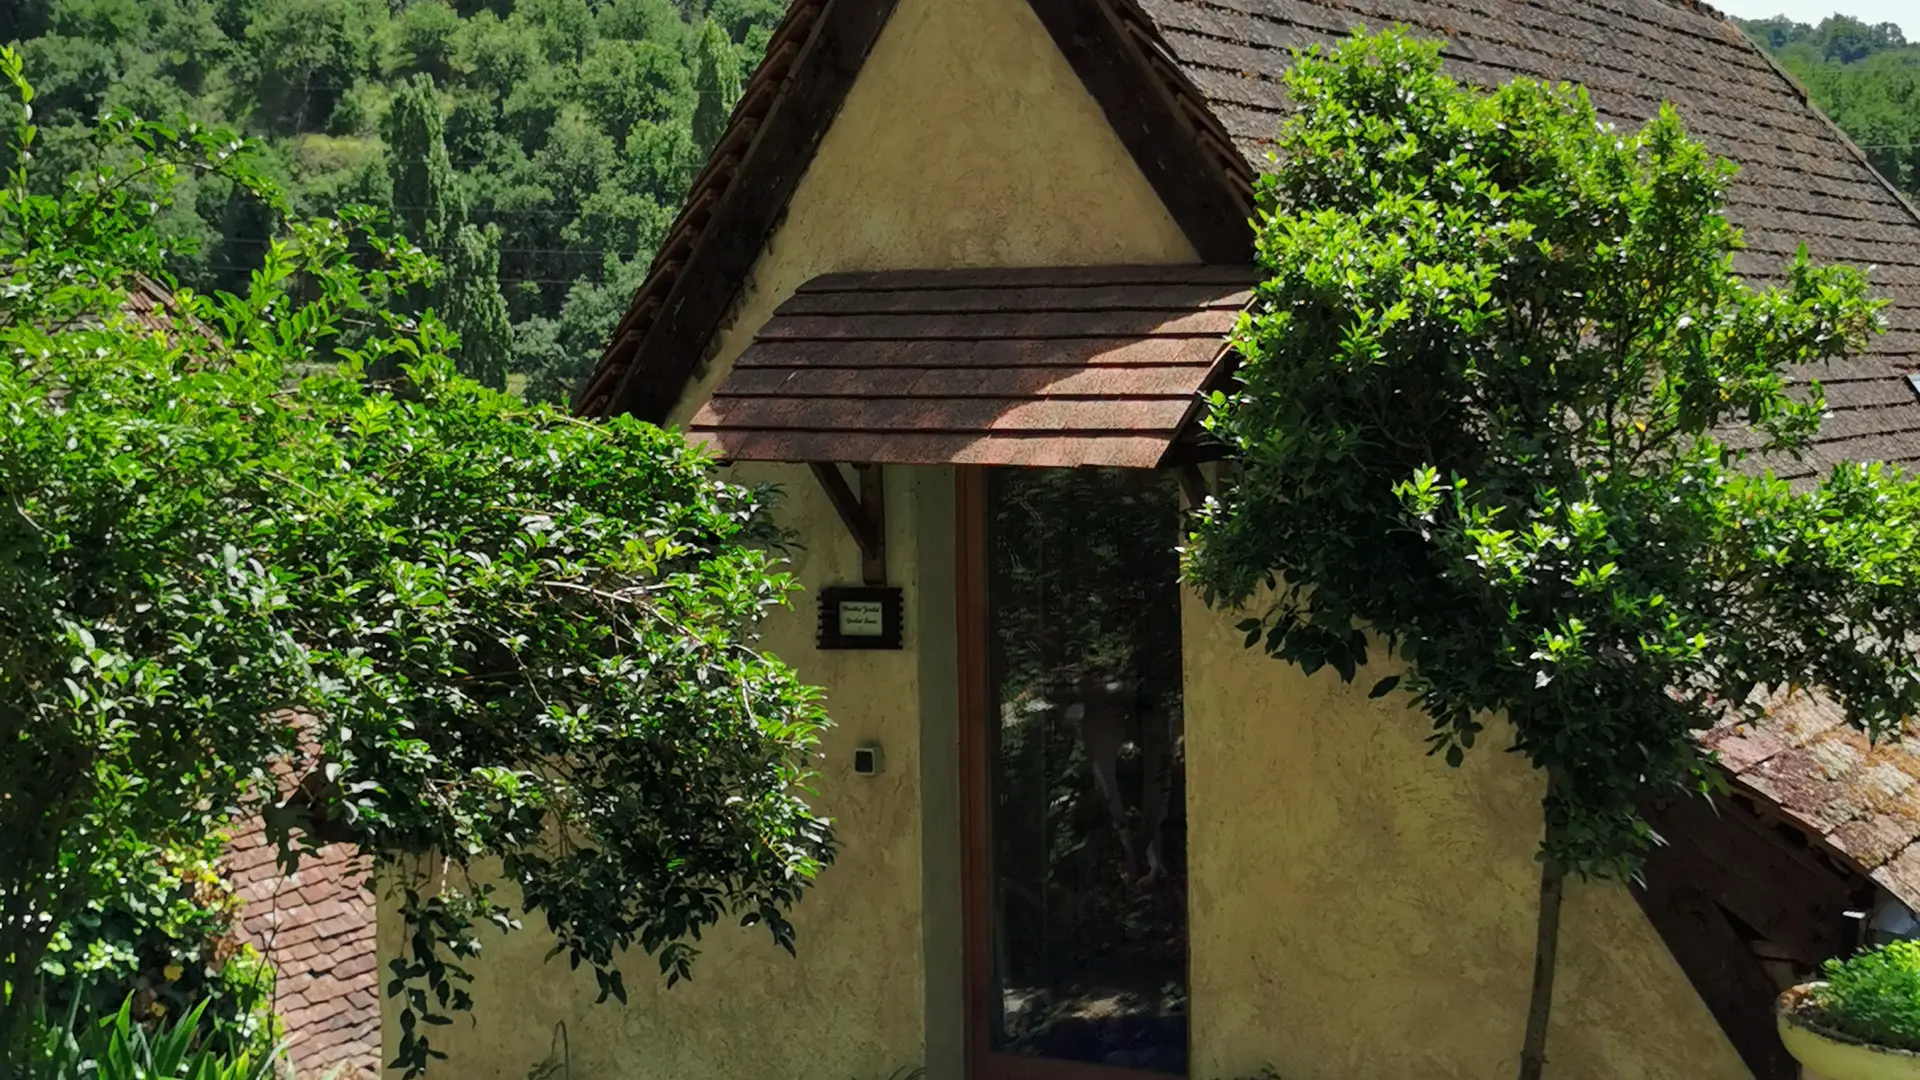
{"type": "Point", "coordinates": [1833, 1056]}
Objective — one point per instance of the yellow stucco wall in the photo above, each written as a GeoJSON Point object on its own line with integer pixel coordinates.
{"type": "Point", "coordinates": [968, 141]}
{"type": "Point", "coordinates": [1360, 910]}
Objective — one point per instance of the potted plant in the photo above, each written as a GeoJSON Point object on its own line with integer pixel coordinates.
{"type": "Point", "coordinates": [1862, 1022]}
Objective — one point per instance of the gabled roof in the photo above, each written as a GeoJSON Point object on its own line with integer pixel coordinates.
{"type": "Point", "coordinates": [1800, 181]}
{"type": "Point", "coordinates": [1193, 88]}
{"type": "Point", "coordinates": [1068, 365]}
{"type": "Point", "coordinates": [786, 109]}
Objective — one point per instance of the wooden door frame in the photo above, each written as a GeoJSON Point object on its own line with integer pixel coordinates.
{"type": "Point", "coordinates": [983, 1062]}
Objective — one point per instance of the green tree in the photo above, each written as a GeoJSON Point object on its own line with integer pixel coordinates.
{"type": "Point", "coordinates": [568, 124]}
{"type": "Point", "coordinates": [472, 631]}
{"type": "Point", "coordinates": [300, 56]}
{"type": "Point", "coordinates": [564, 28]}
{"type": "Point", "coordinates": [640, 20]}
{"type": "Point", "coordinates": [558, 354]}
{"type": "Point", "coordinates": [78, 74]}
{"type": "Point", "coordinates": [749, 23]}
{"type": "Point", "coordinates": [108, 22]}
{"type": "Point", "coordinates": [190, 43]}
{"type": "Point", "coordinates": [623, 83]}
{"type": "Point", "coordinates": [426, 39]}
{"type": "Point", "coordinates": [716, 86]}
{"type": "Point", "coordinates": [474, 308]}
{"type": "Point", "coordinates": [427, 203]}
{"type": "Point", "coordinates": [1505, 409]}
{"type": "Point", "coordinates": [498, 55]}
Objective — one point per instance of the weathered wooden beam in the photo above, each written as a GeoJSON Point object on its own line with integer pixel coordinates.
{"type": "Point", "coordinates": [1787, 893]}
{"type": "Point", "coordinates": [873, 501]}
{"type": "Point", "coordinates": [1193, 484]}
{"type": "Point", "coordinates": [865, 514]}
{"type": "Point", "coordinates": [1723, 970]}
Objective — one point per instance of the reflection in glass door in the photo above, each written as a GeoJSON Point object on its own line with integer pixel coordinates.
{"type": "Point", "coordinates": [1085, 855]}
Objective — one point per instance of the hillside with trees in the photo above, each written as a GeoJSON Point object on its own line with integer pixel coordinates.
{"type": "Point", "coordinates": [538, 148]}
{"type": "Point", "coordinates": [1867, 78]}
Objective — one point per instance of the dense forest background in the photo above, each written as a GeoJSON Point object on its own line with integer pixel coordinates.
{"type": "Point", "coordinates": [1867, 78]}
{"type": "Point", "coordinates": [541, 147]}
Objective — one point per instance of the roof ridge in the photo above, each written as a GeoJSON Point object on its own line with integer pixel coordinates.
{"type": "Point", "coordinates": [1800, 91]}
{"type": "Point", "coordinates": [1698, 7]}
{"type": "Point", "coordinates": [1806, 98]}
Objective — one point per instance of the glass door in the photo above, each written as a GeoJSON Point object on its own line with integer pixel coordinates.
{"type": "Point", "coordinates": [1078, 942]}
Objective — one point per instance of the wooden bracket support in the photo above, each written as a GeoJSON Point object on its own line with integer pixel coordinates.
{"type": "Point", "coordinates": [1193, 484]}
{"type": "Point", "coordinates": [865, 515]}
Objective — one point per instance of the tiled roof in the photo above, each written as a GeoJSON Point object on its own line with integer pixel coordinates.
{"type": "Point", "coordinates": [317, 928]}
{"type": "Point", "coordinates": [153, 308]}
{"type": "Point", "coordinates": [1861, 800]}
{"type": "Point", "coordinates": [1801, 180]}
{"type": "Point", "coordinates": [1051, 366]}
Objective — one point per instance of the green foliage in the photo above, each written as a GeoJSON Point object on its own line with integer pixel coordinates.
{"type": "Point", "coordinates": [426, 39]}
{"type": "Point", "coordinates": [474, 308]}
{"type": "Point", "coordinates": [162, 938]}
{"type": "Point", "coordinates": [1867, 78]}
{"type": "Point", "coordinates": [431, 209]}
{"type": "Point", "coordinates": [748, 22]}
{"type": "Point", "coordinates": [558, 353]}
{"type": "Point", "coordinates": [1873, 996]}
{"type": "Point", "coordinates": [1505, 405]}
{"type": "Point", "coordinates": [475, 632]}
{"type": "Point", "coordinates": [426, 198]}
{"type": "Point", "coordinates": [298, 57]}
{"type": "Point", "coordinates": [717, 86]}
{"type": "Point", "coordinates": [117, 1047]}
{"type": "Point", "coordinates": [625, 83]}
{"type": "Point", "coordinates": [569, 125]}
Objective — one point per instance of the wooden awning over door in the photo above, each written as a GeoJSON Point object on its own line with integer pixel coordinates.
{"type": "Point", "coordinates": [1044, 367]}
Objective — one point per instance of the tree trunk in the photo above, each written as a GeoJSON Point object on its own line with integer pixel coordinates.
{"type": "Point", "coordinates": [1546, 947]}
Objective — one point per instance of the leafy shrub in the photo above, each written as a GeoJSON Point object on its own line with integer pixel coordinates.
{"type": "Point", "coordinates": [163, 942]}
{"type": "Point", "coordinates": [117, 1047]}
{"type": "Point", "coordinates": [1874, 996]}
{"type": "Point", "coordinates": [470, 631]}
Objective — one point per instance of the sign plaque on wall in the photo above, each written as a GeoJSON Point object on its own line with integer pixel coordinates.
{"type": "Point", "coordinates": [860, 618]}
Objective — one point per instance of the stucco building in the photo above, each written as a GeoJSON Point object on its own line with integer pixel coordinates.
{"type": "Point", "coordinates": [948, 248]}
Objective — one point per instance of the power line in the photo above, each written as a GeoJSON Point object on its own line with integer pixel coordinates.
{"type": "Point", "coordinates": [261, 241]}
{"type": "Point", "coordinates": [586, 279]}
